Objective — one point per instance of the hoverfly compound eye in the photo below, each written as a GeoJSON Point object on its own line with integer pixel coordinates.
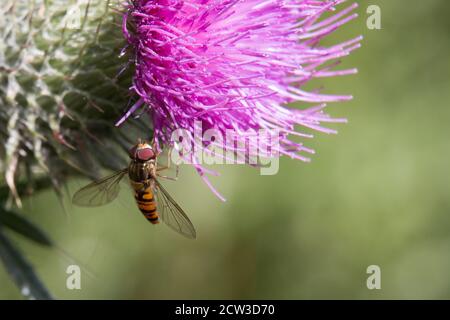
{"type": "Point", "coordinates": [145, 154]}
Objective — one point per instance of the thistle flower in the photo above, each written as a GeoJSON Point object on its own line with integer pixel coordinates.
{"type": "Point", "coordinates": [235, 64]}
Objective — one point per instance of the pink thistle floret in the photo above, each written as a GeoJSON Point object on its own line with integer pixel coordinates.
{"type": "Point", "coordinates": [235, 64]}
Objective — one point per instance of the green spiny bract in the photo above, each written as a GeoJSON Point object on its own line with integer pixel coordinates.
{"type": "Point", "coordinates": [60, 92]}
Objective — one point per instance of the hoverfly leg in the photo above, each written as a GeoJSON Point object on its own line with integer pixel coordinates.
{"type": "Point", "coordinates": [167, 166]}
{"type": "Point", "coordinates": [177, 170]}
{"type": "Point", "coordinates": [167, 177]}
{"type": "Point", "coordinates": [146, 184]}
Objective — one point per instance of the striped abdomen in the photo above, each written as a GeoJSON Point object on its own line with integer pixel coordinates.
{"type": "Point", "coordinates": [147, 204]}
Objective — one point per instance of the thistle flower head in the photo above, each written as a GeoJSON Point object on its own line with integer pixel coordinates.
{"type": "Point", "coordinates": [235, 64]}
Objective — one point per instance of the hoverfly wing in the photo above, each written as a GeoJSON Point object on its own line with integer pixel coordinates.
{"type": "Point", "coordinates": [172, 214]}
{"type": "Point", "coordinates": [99, 192]}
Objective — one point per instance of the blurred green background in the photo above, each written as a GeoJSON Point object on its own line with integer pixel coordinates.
{"type": "Point", "coordinates": [377, 193]}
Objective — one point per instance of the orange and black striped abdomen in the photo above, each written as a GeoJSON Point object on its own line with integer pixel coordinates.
{"type": "Point", "coordinates": [147, 204]}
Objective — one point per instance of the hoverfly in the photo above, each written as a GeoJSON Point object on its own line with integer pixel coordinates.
{"type": "Point", "coordinates": [143, 173]}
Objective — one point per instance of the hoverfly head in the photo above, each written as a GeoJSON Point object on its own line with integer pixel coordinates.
{"type": "Point", "coordinates": [142, 151]}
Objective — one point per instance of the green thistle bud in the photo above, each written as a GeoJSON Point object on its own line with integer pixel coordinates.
{"type": "Point", "coordinates": [60, 92]}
